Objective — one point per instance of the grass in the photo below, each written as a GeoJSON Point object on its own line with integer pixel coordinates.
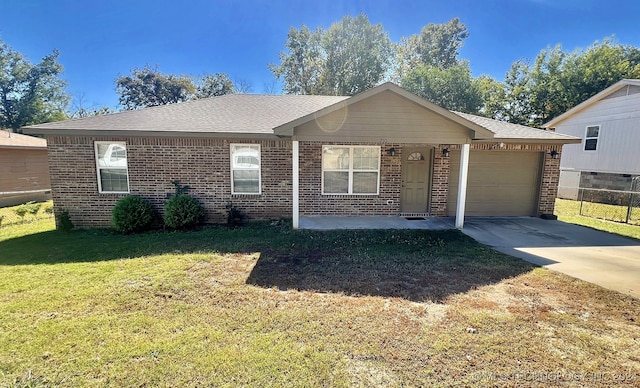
{"type": "Point", "coordinates": [271, 307]}
{"type": "Point", "coordinates": [569, 211]}
{"type": "Point", "coordinates": [9, 216]}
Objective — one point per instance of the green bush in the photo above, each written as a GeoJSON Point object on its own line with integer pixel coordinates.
{"type": "Point", "coordinates": [33, 208]}
{"type": "Point", "coordinates": [64, 221]}
{"type": "Point", "coordinates": [235, 217]}
{"type": "Point", "coordinates": [132, 214]}
{"type": "Point", "coordinates": [182, 211]}
{"type": "Point", "coordinates": [21, 211]}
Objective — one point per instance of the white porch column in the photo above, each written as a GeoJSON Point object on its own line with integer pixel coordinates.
{"type": "Point", "coordinates": [462, 185]}
{"type": "Point", "coordinates": [296, 184]}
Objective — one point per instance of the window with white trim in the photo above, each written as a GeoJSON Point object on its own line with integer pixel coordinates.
{"type": "Point", "coordinates": [350, 169]}
{"type": "Point", "coordinates": [245, 169]}
{"type": "Point", "coordinates": [591, 138]}
{"type": "Point", "coordinates": [111, 166]}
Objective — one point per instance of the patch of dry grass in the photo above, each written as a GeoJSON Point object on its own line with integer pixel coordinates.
{"type": "Point", "coordinates": [374, 309]}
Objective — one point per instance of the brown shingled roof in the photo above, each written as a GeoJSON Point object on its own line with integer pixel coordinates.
{"type": "Point", "coordinates": [508, 131]}
{"type": "Point", "coordinates": [231, 114]}
{"type": "Point", "coordinates": [266, 115]}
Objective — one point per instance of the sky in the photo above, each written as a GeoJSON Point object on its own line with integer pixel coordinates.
{"type": "Point", "coordinates": [100, 40]}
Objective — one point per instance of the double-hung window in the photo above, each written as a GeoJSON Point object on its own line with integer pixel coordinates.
{"type": "Point", "coordinates": [350, 169]}
{"type": "Point", "coordinates": [245, 169]}
{"type": "Point", "coordinates": [591, 138]}
{"type": "Point", "coordinates": [111, 165]}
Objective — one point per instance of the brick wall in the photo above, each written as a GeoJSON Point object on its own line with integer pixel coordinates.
{"type": "Point", "coordinates": [202, 164]}
{"type": "Point", "coordinates": [439, 182]}
{"type": "Point", "coordinates": [313, 202]}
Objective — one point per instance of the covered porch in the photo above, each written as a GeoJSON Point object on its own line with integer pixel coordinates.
{"type": "Point", "coordinates": [375, 222]}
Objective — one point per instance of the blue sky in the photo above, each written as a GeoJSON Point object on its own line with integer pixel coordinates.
{"type": "Point", "coordinates": [99, 40]}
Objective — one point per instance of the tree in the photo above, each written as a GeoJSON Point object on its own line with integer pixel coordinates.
{"type": "Point", "coordinates": [358, 55]}
{"type": "Point", "coordinates": [557, 80]}
{"type": "Point", "coordinates": [436, 45]}
{"type": "Point", "coordinates": [302, 65]}
{"type": "Point", "coordinates": [212, 85]}
{"type": "Point", "coordinates": [452, 88]}
{"type": "Point", "coordinates": [149, 87]}
{"type": "Point", "coordinates": [79, 108]}
{"type": "Point", "coordinates": [350, 57]}
{"type": "Point", "coordinates": [30, 94]}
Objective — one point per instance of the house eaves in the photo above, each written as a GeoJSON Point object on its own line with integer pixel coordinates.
{"type": "Point", "coordinates": [506, 132]}
{"type": "Point", "coordinates": [587, 103]}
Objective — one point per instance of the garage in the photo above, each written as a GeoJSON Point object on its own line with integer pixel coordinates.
{"type": "Point", "coordinates": [500, 183]}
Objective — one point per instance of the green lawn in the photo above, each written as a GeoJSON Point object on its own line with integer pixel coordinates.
{"type": "Point", "coordinates": [271, 307]}
{"type": "Point", "coordinates": [569, 211]}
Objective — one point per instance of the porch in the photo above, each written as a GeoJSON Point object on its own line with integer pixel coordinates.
{"type": "Point", "coordinates": [375, 222]}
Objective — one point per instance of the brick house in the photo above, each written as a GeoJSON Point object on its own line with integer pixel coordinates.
{"type": "Point", "coordinates": [385, 152]}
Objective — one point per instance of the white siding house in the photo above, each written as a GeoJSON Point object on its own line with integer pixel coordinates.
{"type": "Point", "coordinates": [609, 155]}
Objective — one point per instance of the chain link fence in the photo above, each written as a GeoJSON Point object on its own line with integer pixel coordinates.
{"type": "Point", "coordinates": [611, 205]}
{"type": "Point", "coordinates": [25, 213]}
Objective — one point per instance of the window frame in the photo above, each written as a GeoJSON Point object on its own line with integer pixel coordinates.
{"type": "Point", "coordinates": [100, 168]}
{"type": "Point", "coordinates": [351, 170]}
{"type": "Point", "coordinates": [232, 169]}
{"type": "Point", "coordinates": [596, 138]}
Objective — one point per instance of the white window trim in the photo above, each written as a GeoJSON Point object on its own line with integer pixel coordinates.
{"type": "Point", "coordinates": [586, 131]}
{"type": "Point", "coordinates": [98, 167]}
{"type": "Point", "coordinates": [351, 169]}
{"type": "Point", "coordinates": [233, 190]}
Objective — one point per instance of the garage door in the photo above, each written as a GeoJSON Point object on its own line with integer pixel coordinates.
{"type": "Point", "coordinates": [500, 183]}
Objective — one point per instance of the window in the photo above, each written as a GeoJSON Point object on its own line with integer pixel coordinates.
{"type": "Point", "coordinates": [350, 170]}
{"type": "Point", "coordinates": [591, 138]}
{"type": "Point", "coordinates": [111, 165]}
{"type": "Point", "coordinates": [245, 169]}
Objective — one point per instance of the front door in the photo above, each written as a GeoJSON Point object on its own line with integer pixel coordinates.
{"type": "Point", "coordinates": [416, 176]}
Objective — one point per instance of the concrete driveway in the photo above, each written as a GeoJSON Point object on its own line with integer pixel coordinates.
{"type": "Point", "coordinates": [605, 259]}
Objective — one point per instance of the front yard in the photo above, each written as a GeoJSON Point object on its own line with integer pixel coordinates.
{"type": "Point", "coordinates": [268, 306]}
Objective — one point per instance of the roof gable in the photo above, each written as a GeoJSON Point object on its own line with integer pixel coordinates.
{"type": "Point", "coordinates": [288, 128]}
{"type": "Point", "coordinates": [615, 89]}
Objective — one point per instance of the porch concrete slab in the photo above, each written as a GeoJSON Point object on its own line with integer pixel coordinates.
{"type": "Point", "coordinates": [373, 222]}
{"type": "Point", "coordinates": [608, 260]}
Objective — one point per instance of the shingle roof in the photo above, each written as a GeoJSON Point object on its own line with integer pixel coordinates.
{"type": "Point", "coordinates": [509, 131]}
{"type": "Point", "coordinates": [16, 140]}
{"type": "Point", "coordinates": [254, 114]}
{"type": "Point", "coordinates": [233, 113]}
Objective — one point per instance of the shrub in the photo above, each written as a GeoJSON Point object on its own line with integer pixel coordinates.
{"type": "Point", "coordinates": [21, 211]}
{"type": "Point", "coordinates": [64, 221]}
{"type": "Point", "coordinates": [33, 208]}
{"type": "Point", "coordinates": [235, 217]}
{"type": "Point", "coordinates": [182, 211]}
{"type": "Point", "coordinates": [132, 214]}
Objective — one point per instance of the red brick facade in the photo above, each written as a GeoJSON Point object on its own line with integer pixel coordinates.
{"type": "Point", "coordinates": [204, 165]}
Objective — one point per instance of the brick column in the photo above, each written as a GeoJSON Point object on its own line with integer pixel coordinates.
{"type": "Point", "coordinates": [549, 186]}
{"type": "Point", "coordinates": [439, 183]}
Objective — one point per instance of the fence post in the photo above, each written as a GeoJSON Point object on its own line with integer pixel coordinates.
{"type": "Point", "coordinates": [581, 199]}
{"type": "Point", "coordinates": [629, 208]}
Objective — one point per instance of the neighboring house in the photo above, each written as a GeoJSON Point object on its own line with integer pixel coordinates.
{"type": "Point", "coordinates": [382, 152]}
{"type": "Point", "coordinates": [24, 170]}
{"type": "Point", "coordinates": [608, 156]}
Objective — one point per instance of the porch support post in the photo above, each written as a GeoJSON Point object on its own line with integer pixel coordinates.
{"type": "Point", "coordinates": [296, 184]}
{"type": "Point", "coordinates": [462, 185]}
